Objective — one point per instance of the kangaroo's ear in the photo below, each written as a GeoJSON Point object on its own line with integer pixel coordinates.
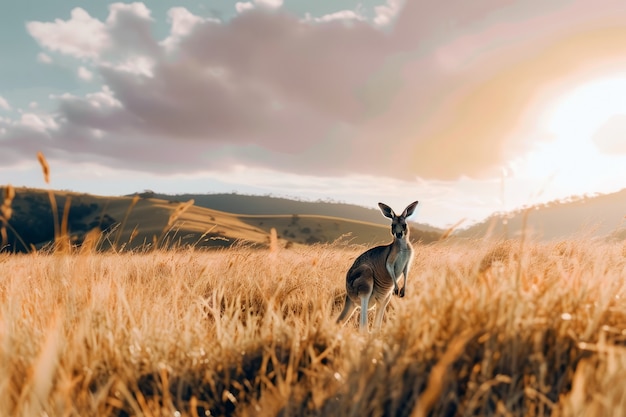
{"type": "Point", "coordinates": [387, 211]}
{"type": "Point", "coordinates": [410, 209]}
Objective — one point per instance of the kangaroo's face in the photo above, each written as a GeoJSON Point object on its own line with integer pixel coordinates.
{"type": "Point", "coordinates": [399, 228]}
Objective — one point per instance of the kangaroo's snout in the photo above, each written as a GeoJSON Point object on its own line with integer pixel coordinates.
{"type": "Point", "coordinates": [398, 229]}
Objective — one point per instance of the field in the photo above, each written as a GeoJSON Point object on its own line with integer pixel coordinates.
{"type": "Point", "coordinates": [510, 329]}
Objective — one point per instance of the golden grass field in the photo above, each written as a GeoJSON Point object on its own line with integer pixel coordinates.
{"type": "Point", "coordinates": [510, 329]}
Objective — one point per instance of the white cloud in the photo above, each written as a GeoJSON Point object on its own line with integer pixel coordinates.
{"type": "Point", "coordinates": [119, 12]}
{"type": "Point", "coordinates": [4, 104]}
{"type": "Point", "coordinates": [44, 58]}
{"type": "Point", "coordinates": [126, 31]}
{"type": "Point", "coordinates": [139, 65]}
{"type": "Point", "coordinates": [273, 4]}
{"type": "Point", "coordinates": [41, 123]}
{"type": "Point", "coordinates": [33, 105]}
{"type": "Point", "coordinates": [103, 98]}
{"type": "Point", "coordinates": [387, 12]}
{"type": "Point", "coordinates": [243, 6]}
{"type": "Point", "coordinates": [84, 74]}
{"type": "Point", "coordinates": [182, 23]}
{"type": "Point", "coordinates": [81, 36]}
{"type": "Point", "coordinates": [343, 15]}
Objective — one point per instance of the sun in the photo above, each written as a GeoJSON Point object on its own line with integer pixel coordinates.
{"type": "Point", "coordinates": [582, 111]}
{"type": "Point", "coordinates": [570, 158]}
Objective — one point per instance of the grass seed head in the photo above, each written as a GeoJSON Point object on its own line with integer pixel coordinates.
{"type": "Point", "coordinates": [5, 209]}
{"type": "Point", "coordinates": [273, 240]}
{"type": "Point", "coordinates": [9, 194]}
{"type": "Point", "coordinates": [179, 211]}
{"type": "Point", "coordinates": [44, 166]}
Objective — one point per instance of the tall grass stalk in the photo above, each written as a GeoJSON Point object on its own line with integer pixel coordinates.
{"type": "Point", "coordinates": [62, 242]}
{"type": "Point", "coordinates": [45, 168]}
{"type": "Point", "coordinates": [133, 203]}
{"type": "Point", "coordinates": [174, 216]}
{"type": "Point", "coordinates": [5, 213]}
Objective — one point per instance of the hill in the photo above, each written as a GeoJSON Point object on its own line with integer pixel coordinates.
{"type": "Point", "coordinates": [270, 205]}
{"type": "Point", "coordinates": [144, 222]}
{"type": "Point", "coordinates": [597, 216]}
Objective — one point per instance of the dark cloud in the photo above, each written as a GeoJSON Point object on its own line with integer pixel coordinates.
{"type": "Point", "coordinates": [451, 90]}
{"type": "Point", "coordinates": [130, 28]}
{"type": "Point", "coordinates": [20, 142]}
{"type": "Point", "coordinates": [320, 65]}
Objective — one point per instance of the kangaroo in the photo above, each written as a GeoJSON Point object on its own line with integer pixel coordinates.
{"type": "Point", "coordinates": [374, 275]}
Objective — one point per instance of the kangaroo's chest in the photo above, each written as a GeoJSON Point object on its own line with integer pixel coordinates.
{"type": "Point", "coordinates": [401, 260]}
{"type": "Point", "coordinates": [399, 257]}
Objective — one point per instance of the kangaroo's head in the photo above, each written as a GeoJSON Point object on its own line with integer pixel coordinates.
{"type": "Point", "coordinates": [399, 228]}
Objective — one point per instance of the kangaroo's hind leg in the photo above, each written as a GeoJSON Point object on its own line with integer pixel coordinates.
{"type": "Point", "coordinates": [365, 300]}
{"type": "Point", "coordinates": [381, 306]}
{"type": "Point", "coordinates": [348, 310]}
{"type": "Point", "coordinates": [359, 286]}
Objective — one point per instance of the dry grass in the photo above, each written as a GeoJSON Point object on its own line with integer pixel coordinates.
{"type": "Point", "coordinates": [6, 212]}
{"type": "Point", "coordinates": [484, 330]}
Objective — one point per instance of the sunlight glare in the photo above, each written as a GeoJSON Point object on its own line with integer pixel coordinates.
{"type": "Point", "coordinates": [581, 112]}
{"type": "Point", "coordinates": [570, 158]}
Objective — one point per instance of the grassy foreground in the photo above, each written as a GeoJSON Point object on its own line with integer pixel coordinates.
{"type": "Point", "coordinates": [484, 329]}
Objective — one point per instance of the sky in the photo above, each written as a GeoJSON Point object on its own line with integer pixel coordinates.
{"type": "Point", "coordinates": [469, 107]}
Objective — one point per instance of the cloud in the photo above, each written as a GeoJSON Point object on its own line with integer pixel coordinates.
{"type": "Point", "coordinates": [81, 36]}
{"type": "Point", "coordinates": [386, 13]}
{"type": "Point", "coordinates": [182, 23]}
{"type": "Point", "coordinates": [44, 58]}
{"type": "Point", "coordinates": [444, 91]}
{"type": "Point", "coordinates": [37, 122]}
{"type": "Point", "coordinates": [241, 6]}
{"type": "Point", "coordinates": [342, 15]}
{"type": "Point", "coordinates": [118, 12]}
{"type": "Point", "coordinates": [4, 104]}
{"type": "Point", "coordinates": [129, 29]}
{"type": "Point", "coordinates": [84, 74]}
{"type": "Point", "coordinates": [272, 4]}
{"type": "Point", "coordinates": [126, 31]}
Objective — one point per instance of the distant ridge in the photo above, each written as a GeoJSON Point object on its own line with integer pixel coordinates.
{"type": "Point", "coordinates": [144, 221]}
{"type": "Point", "coordinates": [218, 220]}
{"type": "Point", "coordinates": [599, 216]}
{"type": "Point", "coordinates": [269, 205]}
